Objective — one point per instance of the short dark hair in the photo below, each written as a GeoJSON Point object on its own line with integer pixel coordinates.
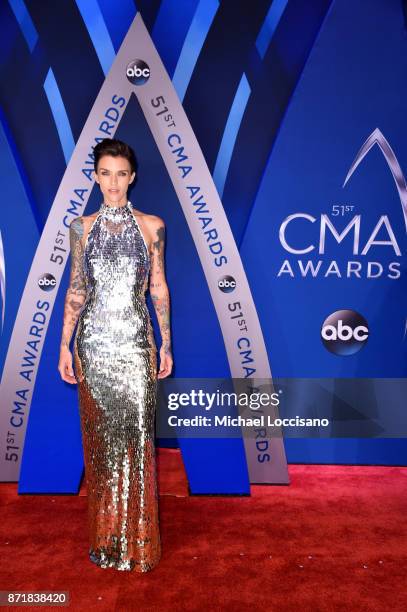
{"type": "Point", "coordinates": [116, 148]}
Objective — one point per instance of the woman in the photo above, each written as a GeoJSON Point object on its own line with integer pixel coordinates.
{"type": "Point", "coordinates": [115, 254]}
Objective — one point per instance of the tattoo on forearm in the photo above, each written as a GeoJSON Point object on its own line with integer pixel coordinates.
{"type": "Point", "coordinates": [162, 308]}
{"type": "Point", "coordinates": [158, 288]}
{"type": "Point", "coordinates": [76, 293]}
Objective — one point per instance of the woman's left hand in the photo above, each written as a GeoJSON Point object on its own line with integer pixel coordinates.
{"type": "Point", "coordinates": [165, 363]}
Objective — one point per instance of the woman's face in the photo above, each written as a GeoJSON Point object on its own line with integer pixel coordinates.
{"type": "Point", "coordinates": [114, 176]}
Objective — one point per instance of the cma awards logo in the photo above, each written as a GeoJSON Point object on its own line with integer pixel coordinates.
{"type": "Point", "coordinates": [344, 332]}
{"type": "Point", "coordinates": [340, 224]}
{"type": "Point", "coordinates": [47, 282]}
{"type": "Point", "coordinates": [138, 72]}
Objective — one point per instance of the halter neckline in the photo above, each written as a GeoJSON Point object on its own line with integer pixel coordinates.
{"type": "Point", "coordinates": [116, 212]}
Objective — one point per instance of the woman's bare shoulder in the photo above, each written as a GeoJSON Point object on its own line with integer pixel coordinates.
{"type": "Point", "coordinates": [80, 225]}
{"type": "Point", "coordinates": [152, 223]}
{"type": "Point", "coordinates": [88, 219]}
{"type": "Point", "coordinates": [85, 218]}
{"type": "Point", "coordinates": [147, 216]}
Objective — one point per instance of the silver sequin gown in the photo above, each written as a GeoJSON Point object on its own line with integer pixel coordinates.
{"type": "Point", "coordinates": [116, 364]}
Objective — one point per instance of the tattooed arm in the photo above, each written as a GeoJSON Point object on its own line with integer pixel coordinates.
{"type": "Point", "coordinates": [74, 299]}
{"type": "Point", "coordinates": [160, 295]}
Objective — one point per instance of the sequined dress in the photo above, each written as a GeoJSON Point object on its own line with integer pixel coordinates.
{"type": "Point", "coordinates": [115, 365]}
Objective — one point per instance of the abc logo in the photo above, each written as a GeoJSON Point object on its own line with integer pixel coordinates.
{"type": "Point", "coordinates": [344, 332]}
{"type": "Point", "coordinates": [47, 282]}
{"type": "Point", "coordinates": [138, 72]}
{"type": "Point", "coordinates": [227, 284]}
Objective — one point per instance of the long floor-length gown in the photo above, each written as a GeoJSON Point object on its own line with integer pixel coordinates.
{"type": "Point", "coordinates": [115, 365]}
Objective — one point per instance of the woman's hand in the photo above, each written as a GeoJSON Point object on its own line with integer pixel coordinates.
{"type": "Point", "coordinates": [65, 366]}
{"type": "Point", "coordinates": [165, 363]}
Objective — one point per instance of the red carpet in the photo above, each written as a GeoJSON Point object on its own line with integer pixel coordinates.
{"type": "Point", "coordinates": [334, 539]}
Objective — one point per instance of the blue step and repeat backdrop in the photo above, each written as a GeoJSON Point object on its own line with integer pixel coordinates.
{"type": "Point", "coordinates": [298, 109]}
